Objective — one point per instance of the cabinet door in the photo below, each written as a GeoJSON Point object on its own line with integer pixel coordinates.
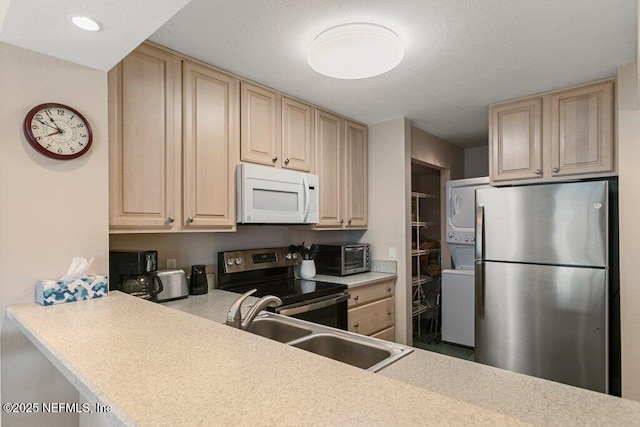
{"type": "Point", "coordinates": [297, 135]}
{"type": "Point", "coordinates": [371, 318]}
{"type": "Point", "coordinates": [355, 175]}
{"type": "Point", "coordinates": [515, 142]}
{"type": "Point", "coordinates": [582, 130]}
{"type": "Point", "coordinates": [388, 334]}
{"type": "Point", "coordinates": [328, 159]}
{"type": "Point", "coordinates": [260, 121]}
{"type": "Point", "coordinates": [211, 144]}
{"type": "Point", "coordinates": [144, 140]}
{"type": "Point", "coordinates": [369, 293]}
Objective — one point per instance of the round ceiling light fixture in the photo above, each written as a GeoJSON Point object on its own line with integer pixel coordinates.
{"type": "Point", "coordinates": [86, 23]}
{"type": "Point", "coordinates": [355, 51]}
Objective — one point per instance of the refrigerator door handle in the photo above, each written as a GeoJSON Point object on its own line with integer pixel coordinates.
{"type": "Point", "coordinates": [479, 233]}
{"type": "Point", "coordinates": [479, 261]}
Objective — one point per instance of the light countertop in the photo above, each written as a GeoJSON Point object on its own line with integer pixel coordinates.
{"type": "Point", "coordinates": [240, 378]}
{"type": "Point", "coordinates": [204, 372]}
{"type": "Point", "coordinates": [356, 280]}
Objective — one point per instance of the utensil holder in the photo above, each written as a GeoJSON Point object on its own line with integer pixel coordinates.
{"type": "Point", "coordinates": [308, 269]}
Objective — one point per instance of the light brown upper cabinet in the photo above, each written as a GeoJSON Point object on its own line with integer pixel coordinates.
{"type": "Point", "coordinates": [355, 175]}
{"type": "Point", "coordinates": [297, 135]}
{"type": "Point", "coordinates": [276, 130]}
{"type": "Point", "coordinates": [516, 137]}
{"type": "Point", "coordinates": [144, 140]}
{"type": "Point", "coordinates": [211, 145]}
{"type": "Point", "coordinates": [582, 134]}
{"type": "Point", "coordinates": [562, 134]}
{"type": "Point", "coordinates": [260, 130]}
{"type": "Point", "coordinates": [341, 165]}
{"type": "Point", "coordinates": [163, 179]}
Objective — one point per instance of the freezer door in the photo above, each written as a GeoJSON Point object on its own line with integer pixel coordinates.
{"type": "Point", "coordinates": [545, 321]}
{"type": "Point", "coordinates": [563, 224]}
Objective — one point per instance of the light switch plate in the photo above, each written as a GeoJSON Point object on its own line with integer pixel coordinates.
{"type": "Point", "coordinates": [393, 254]}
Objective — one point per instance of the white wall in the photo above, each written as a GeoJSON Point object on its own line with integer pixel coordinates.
{"type": "Point", "coordinates": [476, 162]}
{"type": "Point", "coordinates": [628, 161]}
{"type": "Point", "coordinates": [50, 210]}
{"type": "Point", "coordinates": [390, 210]}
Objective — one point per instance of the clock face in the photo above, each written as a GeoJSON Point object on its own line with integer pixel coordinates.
{"type": "Point", "coordinates": [57, 131]}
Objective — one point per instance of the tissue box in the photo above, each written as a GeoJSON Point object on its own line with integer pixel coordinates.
{"type": "Point", "coordinates": [49, 292]}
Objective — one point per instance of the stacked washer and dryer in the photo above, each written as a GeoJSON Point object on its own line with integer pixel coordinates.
{"type": "Point", "coordinates": [458, 291]}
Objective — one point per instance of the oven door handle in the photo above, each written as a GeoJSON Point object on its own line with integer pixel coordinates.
{"type": "Point", "coordinates": [312, 306]}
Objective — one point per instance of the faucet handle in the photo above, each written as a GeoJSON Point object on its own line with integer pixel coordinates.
{"type": "Point", "coordinates": [234, 316]}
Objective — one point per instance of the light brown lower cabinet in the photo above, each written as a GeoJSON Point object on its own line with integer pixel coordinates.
{"type": "Point", "coordinates": [388, 334]}
{"type": "Point", "coordinates": [372, 310]}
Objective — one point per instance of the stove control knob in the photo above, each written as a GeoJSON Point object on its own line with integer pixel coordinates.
{"type": "Point", "coordinates": [229, 261]}
{"type": "Point", "coordinates": [288, 256]}
{"type": "Point", "coordinates": [450, 235]}
{"type": "Point", "coordinates": [295, 256]}
{"type": "Point", "coordinates": [473, 239]}
{"type": "Point", "coordinates": [238, 261]}
{"type": "Point", "coordinates": [466, 238]}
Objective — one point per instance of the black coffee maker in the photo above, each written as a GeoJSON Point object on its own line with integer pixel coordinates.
{"type": "Point", "coordinates": [198, 284]}
{"type": "Point", "coordinates": [133, 272]}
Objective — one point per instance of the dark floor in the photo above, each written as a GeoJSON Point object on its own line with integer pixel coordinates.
{"type": "Point", "coordinates": [429, 339]}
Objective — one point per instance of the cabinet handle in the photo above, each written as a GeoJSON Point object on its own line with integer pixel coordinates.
{"type": "Point", "coordinates": [170, 220]}
{"type": "Point", "coordinates": [190, 220]}
{"type": "Point", "coordinates": [356, 298]}
{"type": "Point", "coordinates": [355, 325]}
{"type": "Point", "coordinates": [342, 221]}
{"type": "Point", "coordinates": [389, 313]}
{"type": "Point", "coordinates": [537, 171]}
{"type": "Point", "coordinates": [388, 289]}
{"type": "Point", "coordinates": [555, 170]}
{"type": "Point", "coordinates": [349, 222]}
{"type": "Point", "coordinates": [274, 159]}
{"type": "Point", "coordinates": [286, 161]}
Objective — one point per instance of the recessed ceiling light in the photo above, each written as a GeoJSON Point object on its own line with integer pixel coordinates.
{"type": "Point", "coordinates": [86, 23]}
{"type": "Point", "coordinates": [355, 51]}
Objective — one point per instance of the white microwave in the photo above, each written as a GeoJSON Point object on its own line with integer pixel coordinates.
{"type": "Point", "coordinates": [267, 195]}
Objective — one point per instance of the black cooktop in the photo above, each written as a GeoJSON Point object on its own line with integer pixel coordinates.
{"type": "Point", "coordinates": [290, 291]}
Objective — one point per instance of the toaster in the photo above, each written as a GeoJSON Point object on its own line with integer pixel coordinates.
{"type": "Point", "coordinates": [174, 285]}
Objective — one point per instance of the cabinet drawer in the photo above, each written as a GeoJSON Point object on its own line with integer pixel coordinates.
{"type": "Point", "coordinates": [368, 293]}
{"type": "Point", "coordinates": [388, 334]}
{"type": "Point", "coordinates": [370, 318]}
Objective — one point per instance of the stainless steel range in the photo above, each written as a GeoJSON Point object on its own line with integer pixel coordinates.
{"type": "Point", "coordinates": [271, 272]}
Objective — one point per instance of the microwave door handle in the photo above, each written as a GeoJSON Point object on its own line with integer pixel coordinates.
{"type": "Point", "coordinates": [306, 199]}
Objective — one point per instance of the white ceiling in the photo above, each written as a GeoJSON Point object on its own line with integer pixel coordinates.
{"type": "Point", "coordinates": [45, 26]}
{"type": "Point", "coordinates": [460, 55]}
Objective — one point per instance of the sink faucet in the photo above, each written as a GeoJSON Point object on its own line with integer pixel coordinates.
{"type": "Point", "coordinates": [234, 316]}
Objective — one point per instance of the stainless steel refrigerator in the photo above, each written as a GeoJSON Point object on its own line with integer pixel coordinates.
{"type": "Point", "coordinates": [542, 281]}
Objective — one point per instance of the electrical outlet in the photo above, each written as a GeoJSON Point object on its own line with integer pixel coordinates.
{"type": "Point", "coordinates": [171, 263]}
{"type": "Point", "coordinates": [393, 254]}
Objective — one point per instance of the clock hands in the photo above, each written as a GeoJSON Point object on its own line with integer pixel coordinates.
{"type": "Point", "coordinates": [53, 121]}
{"type": "Point", "coordinates": [47, 124]}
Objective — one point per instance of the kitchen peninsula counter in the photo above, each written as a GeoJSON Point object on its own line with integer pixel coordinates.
{"type": "Point", "coordinates": [241, 378]}
{"type": "Point", "coordinates": [154, 365]}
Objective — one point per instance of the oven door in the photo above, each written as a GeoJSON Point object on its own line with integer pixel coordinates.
{"type": "Point", "coordinates": [328, 311]}
{"type": "Point", "coordinates": [354, 259]}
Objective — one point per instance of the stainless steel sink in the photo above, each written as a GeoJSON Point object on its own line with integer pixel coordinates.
{"type": "Point", "coordinates": [362, 355]}
{"type": "Point", "coordinates": [364, 352]}
{"type": "Point", "coordinates": [276, 329]}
